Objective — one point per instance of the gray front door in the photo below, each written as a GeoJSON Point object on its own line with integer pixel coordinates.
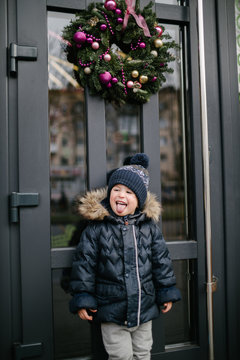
{"type": "Point", "coordinates": [63, 143]}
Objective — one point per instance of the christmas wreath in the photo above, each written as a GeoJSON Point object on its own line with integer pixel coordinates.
{"type": "Point", "coordinates": [121, 53]}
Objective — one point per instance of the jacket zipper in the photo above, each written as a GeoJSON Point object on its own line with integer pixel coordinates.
{"type": "Point", "coordinates": [138, 277]}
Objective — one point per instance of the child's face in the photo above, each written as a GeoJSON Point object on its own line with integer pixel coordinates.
{"type": "Point", "coordinates": [123, 200]}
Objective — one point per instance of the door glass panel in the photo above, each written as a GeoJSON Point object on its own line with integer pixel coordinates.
{"type": "Point", "coordinates": [178, 323]}
{"type": "Point", "coordinates": [172, 149]}
{"type": "Point", "coordinates": [67, 135]}
{"type": "Point", "coordinates": [72, 337]}
{"type": "Point", "coordinates": [122, 132]}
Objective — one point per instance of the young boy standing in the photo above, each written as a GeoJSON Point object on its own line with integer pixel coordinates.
{"type": "Point", "coordinates": [122, 272]}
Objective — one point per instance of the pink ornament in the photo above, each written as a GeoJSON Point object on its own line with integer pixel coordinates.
{"type": "Point", "coordinates": [130, 84]}
{"type": "Point", "coordinates": [79, 37]}
{"type": "Point", "coordinates": [118, 11]}
{"type": "Point", "coordinates": [79, 46]}
{"type": "Point", "coordinates": [142, 45]}
{"type": "Point", "coordinates": [105, 78]}
{"type": "Point", "coordinates": [110, 5]}
{"type": "Point", "coordinates": [95, 45]}
{"type": "Point", "coordinates": [107, 57]}
{"type": "Point", "coordinates": [109, 85]}
{"type": "Point", "coordinates": [119, 20]}
{"type": "Point", "coordinates": [114, 80]}
{"type": "Point", "coordinates": [159, 30]}
{"type": "Point", "coordinates": [154, 79]}
{"type": "Point", "coordinates": [89, 40]}
{"type": "Point", "coordinates": [103, 27]}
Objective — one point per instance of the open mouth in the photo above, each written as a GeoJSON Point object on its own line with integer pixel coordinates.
{"type": "Point", "coordinates": [120, 206]}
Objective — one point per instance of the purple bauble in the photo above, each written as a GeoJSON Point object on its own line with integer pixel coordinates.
{"type": "Point", "coordinates": [103, 27]}
{"type": "Point", "coordinates": [89, 40]}
{"type": "Point", "coordinates": [118, 11]}
{"type": "Point", "coordinates": [154, 79]}
{"type": "Point", "coordinates": [110, 5]}
{"type": "Point", "coordinates": [142, 45]}
{"type": "Point", "coordinates": [79, 37]}
{"type": "Point", "coordinates": [114, 80]}
{"type": "Point", "coordinates": [104, 78]}
{"type": "Point", "coordinates": [119, 20]}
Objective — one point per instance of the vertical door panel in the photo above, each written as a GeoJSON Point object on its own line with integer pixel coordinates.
{"type": "Point", "coordinates": [34, 177]}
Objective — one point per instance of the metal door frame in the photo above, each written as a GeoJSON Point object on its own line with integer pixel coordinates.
{"type": "Point", "coordinates": [16, 161]}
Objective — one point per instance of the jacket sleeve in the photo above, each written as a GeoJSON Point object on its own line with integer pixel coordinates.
{"type": "Point", "coordinates": [82, 284]}
{"type": "Point", "coordinates": [163, 275]}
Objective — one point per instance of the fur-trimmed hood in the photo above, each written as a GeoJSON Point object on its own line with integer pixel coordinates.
{"type": "Point", "coordinates": [90, 206]}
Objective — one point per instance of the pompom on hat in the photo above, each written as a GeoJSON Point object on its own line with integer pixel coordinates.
{"type": "Point", "coordinates": [134, 175]}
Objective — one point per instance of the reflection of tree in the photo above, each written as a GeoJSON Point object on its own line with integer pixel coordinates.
{"type": "Point", "coordinates": [122, 133]}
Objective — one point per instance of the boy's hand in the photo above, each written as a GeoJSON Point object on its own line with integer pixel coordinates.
{"type": "Point", "coordinates": [167, 307]}
{"type": "Point", "coordinates": [82, 313]}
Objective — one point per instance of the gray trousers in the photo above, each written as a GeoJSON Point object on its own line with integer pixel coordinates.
{"type": "Point", "coordinates": [122, 343]}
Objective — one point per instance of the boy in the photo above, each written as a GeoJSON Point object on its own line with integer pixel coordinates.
{"type": "Point", "coordinates": [121, 271]}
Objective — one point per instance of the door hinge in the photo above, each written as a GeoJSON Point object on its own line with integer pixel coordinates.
{"type": "Point", "coordinates": [26, 351]}
{"type": "Point", "coordinates": [20, 52]}
{"type": "Point", "coordinates": [21, 200]}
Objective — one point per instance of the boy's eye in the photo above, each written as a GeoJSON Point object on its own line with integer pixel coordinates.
{"type": "Point", "coordinates": [129, 192]}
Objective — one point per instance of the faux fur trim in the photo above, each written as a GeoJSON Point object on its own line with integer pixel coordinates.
{"type": "Point", "coordinates": [152, 207]}
{"type": "Point", "coordinates": [89, 206]}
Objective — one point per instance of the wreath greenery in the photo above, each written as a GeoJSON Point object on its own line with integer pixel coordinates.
{"type": "Point", "coordinates": [121, 53]}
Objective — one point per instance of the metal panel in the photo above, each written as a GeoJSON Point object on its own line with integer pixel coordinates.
{"type": "Point", "coordinates": [215, 171]}
{"type": "Point", "coordinates": [180, 353]}
{"type": "Point", "coordinates": [5, 279]}
{"type": "Point", "coordinates": [231, 166]}
{"type": "Point", "coordinates": [67, 5]}
{"type": "Point", "coordinates": [34, 177]}
{"type": "Point", "coordinates": [196, 176]}
{"type": "Point", "coordinates": [173, 14]}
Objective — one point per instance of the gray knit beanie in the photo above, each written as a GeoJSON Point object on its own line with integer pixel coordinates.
{"type": "Point", "coordinates": [134, 175]}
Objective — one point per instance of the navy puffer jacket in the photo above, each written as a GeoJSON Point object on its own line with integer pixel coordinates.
{"type": "Point", "coordinates": [121, 269]}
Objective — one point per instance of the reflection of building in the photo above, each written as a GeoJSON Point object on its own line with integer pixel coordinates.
{"type": "Point", "coordinates": [171, 146]}
{"type": "Point", "coordinates": [67, 142]}
{"type": "Point", "coordinates": [122, 133]}
{"type": "Point", "coordinates": [170, 133]}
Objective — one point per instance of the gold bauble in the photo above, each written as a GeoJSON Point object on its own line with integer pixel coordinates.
{"type": "Point", "coordinates": [158, 43]}
{"type": "Point", "coordinates": [135, 73]}
{"type": "Point", "coordinates": [143, 79]}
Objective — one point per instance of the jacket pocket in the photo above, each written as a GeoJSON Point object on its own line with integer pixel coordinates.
{"type": "Point", "coordinates": [148, 288]}
{"type": "Point", "coordinates": [109, 293]}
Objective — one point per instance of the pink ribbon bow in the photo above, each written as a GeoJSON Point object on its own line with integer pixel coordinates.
{"type": "Point", "coordinates": [138, 18]}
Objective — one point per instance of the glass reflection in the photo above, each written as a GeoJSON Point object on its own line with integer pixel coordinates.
{"type": "Point", "coordinates": [177, 322]}
{"type": "Point", "coordinates": [172, 157]}
{"type": "Point", "coordinates": [67, 135]}
{"type": "Point", "coordinates": [72, 337]}
{"type": "Point", "coordinates": [122, 132]}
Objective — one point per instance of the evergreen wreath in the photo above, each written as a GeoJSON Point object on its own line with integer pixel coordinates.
{"type": "Point", "coordinates": [121, 53]}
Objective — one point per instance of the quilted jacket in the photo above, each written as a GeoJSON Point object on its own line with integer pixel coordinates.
{"type": "Point", "coordinates": [121, 266]}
